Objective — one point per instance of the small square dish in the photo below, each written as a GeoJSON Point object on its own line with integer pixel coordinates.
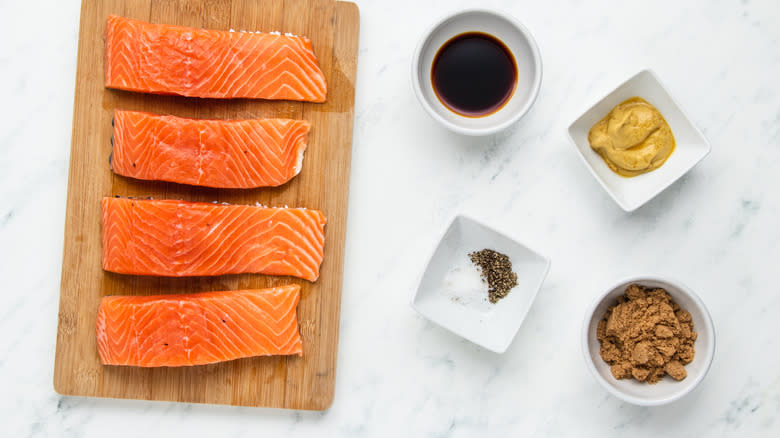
{"type": "Point", "coordinates": [632, 193]}
{"type": "Point", "coordinates": [452, 294]}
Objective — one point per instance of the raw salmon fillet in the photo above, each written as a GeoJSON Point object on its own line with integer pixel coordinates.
{"type": "Point", "coordinates": [182, 239]}
{"type": "Point", "coordinates": [214, 153]}
{"type": "Point", "coordinates": [198, 329]}
{"type": "Point", "coordinates": [167, 59]}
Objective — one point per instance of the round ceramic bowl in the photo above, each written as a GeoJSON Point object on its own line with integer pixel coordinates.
{"type": "Point", "coordinates": [667, 390]}
{"type": "Point", "coordinates": [516, 38]}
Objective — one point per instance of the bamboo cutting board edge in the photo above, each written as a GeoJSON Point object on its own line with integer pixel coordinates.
{"type": "Point", "coordinates": [281, 382]}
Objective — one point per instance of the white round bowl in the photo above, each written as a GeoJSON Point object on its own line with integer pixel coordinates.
{"type": "Point", "coordinates": [667, 390]}
{"type": "Point", "coordinates": [516, 38]}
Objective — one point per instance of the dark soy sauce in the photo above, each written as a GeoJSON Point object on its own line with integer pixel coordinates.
{"type": "Point", "coordinates": [474, 74]}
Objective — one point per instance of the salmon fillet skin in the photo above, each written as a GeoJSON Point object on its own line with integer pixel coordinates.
{"type": "Point", "coordinates": [234, 154]}
{"type": "Point", "coordinates": [198, 329]}
{"type": "Point", "coordinates": [173, 238]}
{"type": "Point", "coordinates": [185, 61]}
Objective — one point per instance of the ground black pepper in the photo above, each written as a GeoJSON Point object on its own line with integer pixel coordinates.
{"type": "Point", "coordinates": [496, 271]}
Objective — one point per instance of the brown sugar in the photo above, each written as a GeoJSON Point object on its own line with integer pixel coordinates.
{"type": "Point", "coordinates": [646, 336]}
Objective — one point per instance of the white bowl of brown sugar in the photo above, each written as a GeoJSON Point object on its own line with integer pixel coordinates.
{"type": "Point", "coordinates": [648, 340]}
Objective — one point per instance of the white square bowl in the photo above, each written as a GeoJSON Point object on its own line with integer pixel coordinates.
{"type": "Point", "coordinates": [493, 326]}
{"type": "Point", "coordinates": [632, 193]}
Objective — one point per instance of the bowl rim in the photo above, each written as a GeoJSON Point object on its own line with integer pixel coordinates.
{"type": "Point", "coordinates": [628, 208]}
{"type": "Point", "coordinates": [709, 328]}
{"type": "Point", "coordinates": [547, 264]}
{"type": "Point", "coordinates": [536, 86]}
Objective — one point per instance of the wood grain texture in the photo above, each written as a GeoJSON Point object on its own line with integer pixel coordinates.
{"type": "Point", "coordinates": [305, 382]}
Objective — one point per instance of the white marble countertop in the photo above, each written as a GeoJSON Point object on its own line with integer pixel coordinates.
{"type": "Point", "coordinates": [398, 375]}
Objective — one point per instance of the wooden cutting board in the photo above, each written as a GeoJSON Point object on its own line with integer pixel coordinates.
{"type": "Point", "coordinates": [305, 382]}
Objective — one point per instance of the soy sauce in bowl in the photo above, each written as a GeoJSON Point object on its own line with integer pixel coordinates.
{"type": "Point", "coordinates": [474, 74]}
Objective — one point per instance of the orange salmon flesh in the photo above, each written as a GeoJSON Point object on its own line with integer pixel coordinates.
{"type": "Point", "coordinates": [182, 239]}
{"type": "Point", "coordinates": [168, 59]}
{"type": "Point", "coordinates": [198, 329]}
{"type": "Point", "coordinates": [235, 154]}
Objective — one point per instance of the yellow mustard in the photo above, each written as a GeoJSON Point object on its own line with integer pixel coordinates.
{"type": "Point", "coordinates": [633, 138]}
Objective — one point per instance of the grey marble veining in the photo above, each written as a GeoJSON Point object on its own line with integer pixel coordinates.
{"type": "Point", "coordinates": [398, 374]}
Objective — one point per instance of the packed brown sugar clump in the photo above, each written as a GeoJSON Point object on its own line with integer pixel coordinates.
{"type": "Point", "coordinates": [646, 336]}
